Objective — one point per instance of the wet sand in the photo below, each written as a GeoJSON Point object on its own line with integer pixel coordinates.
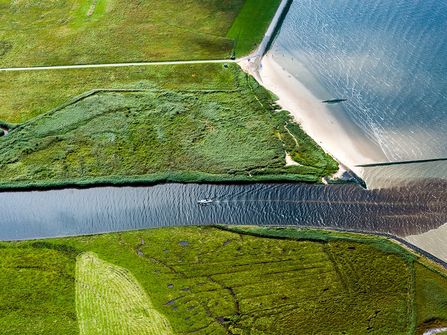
{"type": "Point", "coordinates": [433, 241]}
{"type": "Point", "coordinates": [334, 133]}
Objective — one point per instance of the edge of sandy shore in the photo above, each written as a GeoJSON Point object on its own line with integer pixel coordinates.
{"type": "Point", "coordinates": [334, 133]}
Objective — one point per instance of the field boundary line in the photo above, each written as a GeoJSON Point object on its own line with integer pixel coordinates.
{"type": "Point", "coordinates": [89, 66]}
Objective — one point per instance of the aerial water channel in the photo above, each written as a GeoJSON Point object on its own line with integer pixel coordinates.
{"type": "Point", "coordinates": [386, 61]}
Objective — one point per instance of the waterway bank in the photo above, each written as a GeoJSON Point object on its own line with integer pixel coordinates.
{"type": "Point", "coordinates": [66, 212]}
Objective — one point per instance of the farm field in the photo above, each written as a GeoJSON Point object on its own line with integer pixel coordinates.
{"type": "Point", "coordinates": [148, 127]}
{"type": "Point", "coordinates": [59, 32]}
{"type": "Point", "coordinates": [208, 280]}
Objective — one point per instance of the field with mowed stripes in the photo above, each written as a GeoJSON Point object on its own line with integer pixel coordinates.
{"type": "Point", "coordinates": [219, 280]}
{"type": "Point", "coordinates": [110, 301]}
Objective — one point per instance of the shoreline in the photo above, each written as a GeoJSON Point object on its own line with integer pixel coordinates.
{"type": "Point", "coordinates": [334, 133]}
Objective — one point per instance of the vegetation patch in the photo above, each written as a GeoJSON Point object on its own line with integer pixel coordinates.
{"type": "Point", "coordinates": [37, 290]}
{"type": "Point", "coordinates": [27, 94]}
{"type": "Point", "coordinates": [250, 25]}
{"type": "Point", "coordinates": [60, 32]}
{"type": "Point", "coordinates": [141, 132]}
{"type": "Point", "coordinates": [110, 301]}
{"type": "Point", "coordinates": [205, 280]}
{"type": "Point", "coordinates": [5, 47]}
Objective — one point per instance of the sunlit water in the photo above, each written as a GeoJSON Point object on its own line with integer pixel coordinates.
{"type": "Point", "coordinates": [413, 210]}
{"type": "Point", "coordinates": [388, 58]}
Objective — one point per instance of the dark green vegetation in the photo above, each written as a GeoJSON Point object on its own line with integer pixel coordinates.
{"type": "Point", "coordinates": [211, 281]}
{"type": "Point", "coordinates": [431, 301]}
{"type": "Point", "coordinates": [135, 130]}
{"type": "Point", "coordinates": [60, 32]}
{"type": "Point", "coordinates": [251, 24]}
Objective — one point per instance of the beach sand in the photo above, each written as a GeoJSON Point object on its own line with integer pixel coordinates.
{"type": "Point", "coordinates": [334, 133]}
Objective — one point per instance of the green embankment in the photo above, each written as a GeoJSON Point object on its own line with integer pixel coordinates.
{"type": "Point", "coordinates": [212, 281]}
{"type": "Point", "coordinates": [137, 131]}
{"type": "Point", "coordinates": [59, 32]}
{"type": "Point", "coordinates": [37, 290]}
{"type": "Point", "coordinates": [62, 32]}
{"type": "Point", "coordinates": [110, 301]}
{"type": "Point", "coordinates": [250, 25]}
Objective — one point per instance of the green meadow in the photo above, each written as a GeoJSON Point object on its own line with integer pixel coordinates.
{"type": "Point", "coordinates": [59, 32]}
{"type": "Point", "coordinates": [210, 280]}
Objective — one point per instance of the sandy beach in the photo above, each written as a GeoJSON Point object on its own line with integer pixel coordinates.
{"type": "Point", "coordinates": [334, 133]}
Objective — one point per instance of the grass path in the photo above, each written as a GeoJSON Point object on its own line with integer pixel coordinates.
{"type": "Point", "coordinates": [110, 301]}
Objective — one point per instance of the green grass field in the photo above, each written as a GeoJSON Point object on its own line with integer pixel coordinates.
{"type": "Point", "coordinates": [149, 126]}
{"type": "Point", "coordinates": [27, 94]}
{"type": "Point", "coordinates": [59, 32]}
{"type": "Point", "coordinates": [205, 280]}
{"type": "Point", "coordinates": [110, 301]}
{"type": "Point", "coordinates": [249, 27]}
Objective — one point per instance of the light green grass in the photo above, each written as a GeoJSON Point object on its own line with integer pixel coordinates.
{"type": "Point", "coordinates": [249, 27]}
{"type": "Point", "coordinates": [24, 95]}
{"type": "Point", "coordinates": [227, 131]}
{"type": "Point", "coordinates": [110, 301]}
{"type": "Point", "coordinates": [58, 32]}
{"type": "Point", "coordinates": [210, 281]}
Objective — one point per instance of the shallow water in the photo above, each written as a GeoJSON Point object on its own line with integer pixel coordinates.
{"type": "Point", "coordinates": [26, 215]}
{"type": "Point", "coordinates": [387, 58]}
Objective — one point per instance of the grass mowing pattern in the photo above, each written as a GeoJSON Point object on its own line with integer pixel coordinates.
{"type": "Point", "coordinates": [37, 292]}
{"type": "Point", "coordinates": [149, 134]}
{"type": "Point", "coordinates": [210, 281]}
{"type": "Point", "coordinates": [110, 301]}
{"type": "Point", "coordinates": [62, 32]}
{"type": "Point", "coordinates": [249, 27]}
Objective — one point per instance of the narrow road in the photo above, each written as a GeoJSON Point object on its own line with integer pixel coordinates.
{"type": "Point", "coordinates": [87, 66]}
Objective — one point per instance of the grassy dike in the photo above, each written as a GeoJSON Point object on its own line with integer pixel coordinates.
{"type": "Point", "coordinates": [58, 32]}
{"type": "Point", "coordinates": [250, 25]}
{"type": "Point", "coordinates": [150, 126]}
{"type": "Point", "coordinates": [206, 280]}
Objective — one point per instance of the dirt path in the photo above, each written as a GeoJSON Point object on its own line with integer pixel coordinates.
{"type": "Point", "coordinates": [87, 66]}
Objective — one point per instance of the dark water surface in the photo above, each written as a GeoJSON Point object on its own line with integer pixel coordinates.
{"type": "Point", "coordinates": [406, 210]}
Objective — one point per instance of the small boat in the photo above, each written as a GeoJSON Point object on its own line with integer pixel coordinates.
{"type": "Point", "coordinates": [204, 201]}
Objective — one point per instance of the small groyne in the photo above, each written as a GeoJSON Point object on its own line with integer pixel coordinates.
{"type": "Point", "coordinates": [273, 28]}
{"type": "Point", "coordinates": [415, 161]}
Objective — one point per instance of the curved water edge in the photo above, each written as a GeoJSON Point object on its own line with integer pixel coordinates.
{"type": "Point", "coordinates": [400, 211]}
{"type": "Point", "coordinates": [384, 59]}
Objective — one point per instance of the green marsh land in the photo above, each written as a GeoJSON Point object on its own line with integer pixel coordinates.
{"type": "Point", "coordinates": [186, 123]}
{"type": "Point", "coordinates": [206, 280]}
